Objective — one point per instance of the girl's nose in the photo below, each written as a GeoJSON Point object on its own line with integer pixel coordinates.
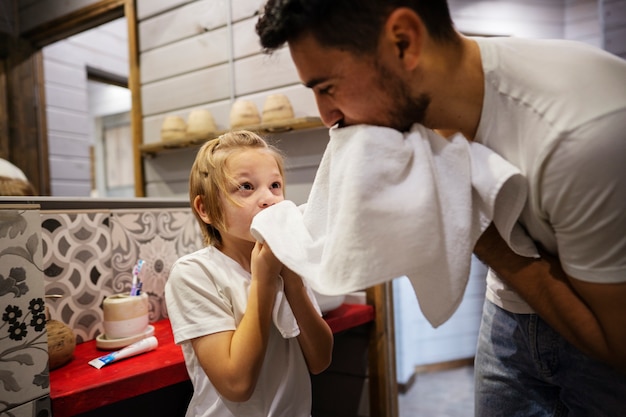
{"type": "Point", "coordinates": [268, 199]}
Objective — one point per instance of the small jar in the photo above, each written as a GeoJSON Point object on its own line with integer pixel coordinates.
{"type": "Point", "coordinates": [125, 315]}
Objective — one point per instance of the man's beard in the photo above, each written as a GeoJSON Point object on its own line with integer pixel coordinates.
{"type": "Point", "coordinates": [405, 110]}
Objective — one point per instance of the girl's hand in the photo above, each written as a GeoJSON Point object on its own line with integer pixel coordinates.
{"type": "Point", "coordinates": [264, 265]}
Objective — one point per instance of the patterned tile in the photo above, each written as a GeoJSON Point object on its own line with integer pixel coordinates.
{"type": "Point", "coordinates": [159, 238]}
{"type": "Point", "coordinates": [77, 266]}
{"type": "Point", "coordinates": [90, 255]}
{"type": "Point", "coordinates": [23, 340]}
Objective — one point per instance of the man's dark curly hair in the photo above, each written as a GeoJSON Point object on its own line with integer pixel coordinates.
{"type": "Point", "coordinates": [353, 25]}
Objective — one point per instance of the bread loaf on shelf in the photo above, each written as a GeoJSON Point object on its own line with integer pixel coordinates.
{"type": "Point", "coordinates": [277, 107]}
{"type": "Point", "coordinates": [244, 113]}
{"type": "Point", "coordinates": [200, 122]}
{"type": "Point", "coordinates": [173, 128]}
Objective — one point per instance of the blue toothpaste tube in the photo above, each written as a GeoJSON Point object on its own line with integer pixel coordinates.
{"type": "Point", "coordinates": [144, 345]}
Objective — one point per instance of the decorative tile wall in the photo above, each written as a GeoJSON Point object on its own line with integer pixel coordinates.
{"type": "Point", "coordinates": [158, 237]}
{"type": "Point", "coordinates": [90, 255]}
{"type": "Point", "coordinates": [77, 267]}
{"type": "Point", "coordinates": [23, 341]}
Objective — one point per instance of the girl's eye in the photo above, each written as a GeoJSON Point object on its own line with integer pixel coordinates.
{"type": "Point", "coordinates": [246, 186]}
{"type": "Point", "coordinates": [277, 185]}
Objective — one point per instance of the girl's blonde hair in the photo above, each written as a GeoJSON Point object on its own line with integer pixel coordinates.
{"type": "Point", "coordinates": [209, 177]}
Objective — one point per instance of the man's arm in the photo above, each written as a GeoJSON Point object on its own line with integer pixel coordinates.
{"type": "Point", "coordinates": [590, 316]}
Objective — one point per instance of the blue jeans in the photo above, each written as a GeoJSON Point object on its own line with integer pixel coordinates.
{"type": "Point", "coordinates": [524, 368]}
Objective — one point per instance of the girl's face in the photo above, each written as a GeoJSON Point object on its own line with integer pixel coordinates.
{"type": "Point", "coordinates": [259, 185]}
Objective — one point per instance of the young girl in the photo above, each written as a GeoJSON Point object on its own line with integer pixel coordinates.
{"type": "Point", "coordinates": [220, 299]}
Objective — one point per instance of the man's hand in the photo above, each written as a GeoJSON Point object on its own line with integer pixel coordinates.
{"type": "Point", "coordinates": [590, 316]}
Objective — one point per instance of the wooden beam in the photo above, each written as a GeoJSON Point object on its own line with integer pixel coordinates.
{"type": "Point", "coordinates": [25, 109]}
{"type": "Point", "coordinates": [134, 84]}
{"type": "Point", "coordinates": [383, 386]}
{"type": "Point", "coordinates": [78, 21]}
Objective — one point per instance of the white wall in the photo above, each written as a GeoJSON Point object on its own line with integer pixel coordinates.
{"type": "Point", "coordinates": [70, 123]}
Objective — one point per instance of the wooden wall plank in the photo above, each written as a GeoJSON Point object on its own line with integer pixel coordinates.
{"type": "Point", "coordinates": [263, 72]}
{"type": "Point", "coordinates": [63, 143]}
{"type": "Point", "coordinates": [63, 168]}
{"type": "Point", "coordinates": [245, 9]}
{"type": "Point", "coordinates": [245, 40]}
{"type": "Point", "coordinates": [66, 97]}
{"type": "Point", "coordinates": [187, 90]}
{"type": "Point", "coordinates": [187, 55]}
{"type": "Point", "coordinates": [62, 120]}
{"type": "Point", "coordinates": [148, 8]}
{"type": "Point", "coordinates": [65, 74]}
{"type": "Point", "coordinates": [188, 20]}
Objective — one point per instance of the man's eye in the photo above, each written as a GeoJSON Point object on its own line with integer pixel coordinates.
{"type": "Point", "coordinates": [325, 90]}
{"type": "Point", "coordinates": [246, 186]}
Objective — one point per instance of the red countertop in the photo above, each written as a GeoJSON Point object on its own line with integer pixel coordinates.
{"type": "Point", "coordinates": [78, 387]}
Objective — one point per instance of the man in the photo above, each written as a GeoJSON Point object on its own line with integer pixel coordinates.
{"type": "Point", "coordinates": [553, 336]}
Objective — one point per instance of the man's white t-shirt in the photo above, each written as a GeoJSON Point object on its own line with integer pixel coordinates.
{"type": "Point", "coordinates": [206, 293]}
{"type": "Point", "coordinates": [557, 110]}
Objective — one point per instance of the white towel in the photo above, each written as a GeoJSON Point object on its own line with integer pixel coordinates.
{"type": "Point", "coordinates": [386, 204]}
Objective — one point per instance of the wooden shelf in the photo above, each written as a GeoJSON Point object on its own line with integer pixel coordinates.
{"type": "Point", "coordinates": [190, 141]}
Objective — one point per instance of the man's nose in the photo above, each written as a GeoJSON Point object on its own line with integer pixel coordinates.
{"type": "Point", "coordinates": [329, 113]}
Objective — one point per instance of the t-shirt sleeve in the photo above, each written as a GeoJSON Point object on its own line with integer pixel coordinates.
{"type": "Point", "coordinates": [584, 200]}
{"type": "Point", "coordinates": [196, 304]}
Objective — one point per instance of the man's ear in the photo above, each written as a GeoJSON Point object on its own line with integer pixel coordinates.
{"type": "Point", "coordinates": [198, 206]}
{"type": "Point", "coordinates": [405, 31]}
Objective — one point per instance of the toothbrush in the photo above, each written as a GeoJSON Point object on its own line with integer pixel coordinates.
{"type": "Point", "coordinates": [135, 283]}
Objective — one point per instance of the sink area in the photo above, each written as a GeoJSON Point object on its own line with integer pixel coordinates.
{"type": "Point", "coordinates": [329, 302]}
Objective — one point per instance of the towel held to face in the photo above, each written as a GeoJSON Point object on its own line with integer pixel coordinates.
{"type": "Point", "coordinates": [386, 204]}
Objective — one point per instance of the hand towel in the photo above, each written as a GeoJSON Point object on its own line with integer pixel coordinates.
{"type": "Point", "coordinates": [386, 204]}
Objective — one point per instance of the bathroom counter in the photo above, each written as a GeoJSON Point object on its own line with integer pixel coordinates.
{"type": "Point", "coordinates": [78, 387]}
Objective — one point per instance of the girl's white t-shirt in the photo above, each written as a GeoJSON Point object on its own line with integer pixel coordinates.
{"type": "Point", "coordinates": [206, 293]}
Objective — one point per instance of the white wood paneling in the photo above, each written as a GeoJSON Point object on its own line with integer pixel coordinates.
{"type": "Point", "coordinates": [65, 97]}
{"type": "Point", "coordinates": [64, 73]}
{"type": "Point", "coordinates": [264, 72]}
{"type": "Point", "coordinates": [190, 54]}
{"type": "Point", "coordinates": [244, 9]}
{"type": "Point", "coordinates": [62, 120]}
{"type": "Point", "coordinates": [187, 90]}
{"type": "Point", "coordinates": [68, 144]}
{"type": "Point", "coordinates": [245, 40]}
{"type": "Point", "coordinates": [69, 122]}
{"type": "Point", "coordinates": [64, 168]}
{"type": "Point", "coordinates": [147, 8]}
{"type": "Point", "coordinates": [69, 188]}
{"type": "Point", "coordinates": [188, 20]}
